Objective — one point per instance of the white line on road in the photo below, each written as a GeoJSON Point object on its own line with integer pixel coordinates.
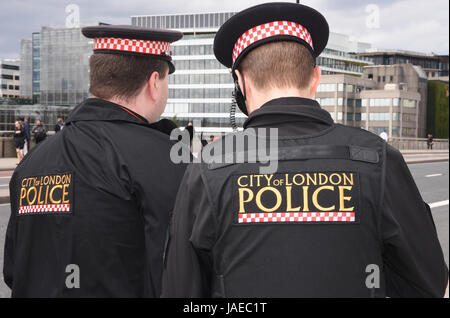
{"type": "Point", "coordinates": [438, 204]}
{"type": "Point", "coordinates": [433, 175]}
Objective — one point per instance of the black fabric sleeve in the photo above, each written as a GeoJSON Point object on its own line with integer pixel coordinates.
{"type": "Point", "coordinates": [9, 251]}
{"type": "Point", "coordinates": [413, 260]}
{"type": "Point", "coordinates": [188, 265]}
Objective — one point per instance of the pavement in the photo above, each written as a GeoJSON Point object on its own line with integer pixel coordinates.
{"type": "Point", "coordinates": [431, 179]}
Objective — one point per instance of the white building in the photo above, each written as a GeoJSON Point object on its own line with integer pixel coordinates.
{"type": "Point", "coordinates": [201, 88]}
{"type": "Point", "coordinates": [10, 78]}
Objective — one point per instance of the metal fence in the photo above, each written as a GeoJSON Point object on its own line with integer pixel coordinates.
{"type": "Point", "coordinates": [417, 143]}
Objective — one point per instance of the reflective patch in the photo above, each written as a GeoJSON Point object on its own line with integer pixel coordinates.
{"type": "Point", "coordinates": [304, 198]}
{"type": "Point", "coordinates": [46, 194]}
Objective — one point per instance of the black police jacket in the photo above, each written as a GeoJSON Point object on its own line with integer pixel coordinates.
{"type": "Point", "coordinates": [90, 207]}
{"type": "Point", "coordinates": [340, 217]}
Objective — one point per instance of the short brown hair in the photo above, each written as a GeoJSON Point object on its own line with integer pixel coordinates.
{"type": "Point", "coordinates": [279, 64]}
{"type": "Point", "coordinates": [120, 75]}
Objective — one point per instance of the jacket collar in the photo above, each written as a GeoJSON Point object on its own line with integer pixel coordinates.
{"type": "Point", "coordinates": [288, 108]}
{"type": "Point", "coordinates": [101, 110]}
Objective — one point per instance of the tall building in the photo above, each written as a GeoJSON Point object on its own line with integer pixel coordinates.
{"type": "Point", "coordinates": [10, 78]}
{"type": "Point", "coordinates": [36, 67]}
{"type": "Point", "coordinates": [64, 66]}
{"type": "Point", "coordinates": [26, 68]}
{"type": "Point", "coordinates": [436, 67]}
{"type": "Point", "coordinates": [201, 88]}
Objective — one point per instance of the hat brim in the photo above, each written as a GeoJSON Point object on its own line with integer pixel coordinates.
{"type": "Point", "coordinates": [237, 25]}
{"type": "Point", "coordinates": [131, 32]}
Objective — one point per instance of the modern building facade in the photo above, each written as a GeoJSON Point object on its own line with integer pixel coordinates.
{"type": "Point", "coordinates": [397, 108]}
{"type": "Point", "coordinates": [407, 78]}
{"type": "Point", "coordinates": [9, 78]}
{"type": "Point", "coordinates": [26, 69]}
{"type": "Point", "coordinates": [64, 66]}
{"type": "Point", "coordinates": [36, 67]}
{"type": "Point", "coordinates": [201, 88]}
{"type": "Point", "coordinates": [436, 67]}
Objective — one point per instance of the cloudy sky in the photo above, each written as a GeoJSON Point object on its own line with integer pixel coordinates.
{"type": "Point", "coordinates": [401, 24]}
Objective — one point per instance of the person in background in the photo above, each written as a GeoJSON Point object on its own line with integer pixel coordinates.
{"type": "Point", "coordinates": [39, 132]}
{"type": "Point", "coordinates": [26, 128]}
{"type": "Point", "coordinates": [430, 141]}
{"type": "Point", "coordinates": [384, 136]}
{"type": "Point", "coordinates": [19, 139]}
{"type": "Point", "coordinates": [59, 125]}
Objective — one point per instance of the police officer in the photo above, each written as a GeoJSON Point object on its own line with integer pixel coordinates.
{"type": "Point", "coordinates": [340, 217]}
{"type": "Point", "coordinates": [90, 207]}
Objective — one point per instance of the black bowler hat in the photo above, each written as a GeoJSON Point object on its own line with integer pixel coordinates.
{"type": "Point", "coordinates": [127, 39]}
{"type": "Point", "coordinates": [269, 22]}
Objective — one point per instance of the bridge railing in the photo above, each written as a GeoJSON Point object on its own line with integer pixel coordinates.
{"type": "Point", "coordinates": [417, 143]}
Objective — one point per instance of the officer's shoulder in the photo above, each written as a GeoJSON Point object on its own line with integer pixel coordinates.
{"type": "Point", "coordinates": [359, 132]}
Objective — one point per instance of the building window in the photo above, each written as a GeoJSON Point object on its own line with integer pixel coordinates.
{"type": "Point", "coordinates": [17, 78]}
{"type": "Point", "coordinates": [327, 87]}
{"type": "Point", "coordinates": [395, 102]}
{"type": "Point", "coordinates": [409, 103]}
{"type": "Point", "coordinates": [380, 102]}
{"type": "Point", "coordinates": [16, 88]}
{"type": "Point", "coordinates": [391, 78]}
{"type": "Point", "coordinates": [370, 76]}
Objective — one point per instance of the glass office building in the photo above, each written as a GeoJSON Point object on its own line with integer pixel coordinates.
{"type": "Point", "coordinates": [201, 88]}
{"type": "Point", "coordinates": [64, 66]}
{"type": "Point", "coordinates": [26, 61]}
{"type": "Point", "coordinates": [36, 67]}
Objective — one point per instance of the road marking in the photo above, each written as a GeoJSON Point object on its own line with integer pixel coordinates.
{"type": "Point", "coordinates": [5, 177]}
{"type": "Point", "coordinates": [433, 175]}
{"type": "Point", "coordinates": [438, 204]}
{"type": "Point", "coordinates": [4, 185]}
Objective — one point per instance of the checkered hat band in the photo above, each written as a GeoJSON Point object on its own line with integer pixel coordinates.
{"type": "Point", "coordinates": [129, 45]}
{"type": "Point", "coordinates": [296, 217]}
{"type": "Point", "coordinates": [44, 208]}
{"type": "Point", "coordinates": [268, 30]}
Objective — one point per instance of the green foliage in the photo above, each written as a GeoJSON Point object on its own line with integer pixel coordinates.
{"type": "Point", "coordinates": [175, 120]}
{"type": "Point", "coordinates": [437, 109]}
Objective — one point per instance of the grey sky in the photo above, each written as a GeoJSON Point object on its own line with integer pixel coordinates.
{"type": "Point", "coordinates": [404, 24]}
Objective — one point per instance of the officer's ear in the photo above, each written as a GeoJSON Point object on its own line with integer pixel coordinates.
{"type": "Point", "coordinates": [154, 86]}
{"type": "Point", "coordinates": [241, 81]}
{"type": "Point", "coordinates": [315, 81]}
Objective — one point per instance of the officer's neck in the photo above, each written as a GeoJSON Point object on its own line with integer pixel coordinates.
{"type": "Point", "coordinates": [257, 98]}
{"type": "Point", "coordinates": [139, 105]}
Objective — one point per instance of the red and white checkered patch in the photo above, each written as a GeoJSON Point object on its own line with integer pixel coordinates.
{"type": "Point", "coordinates": [44, 208]}
{"type": "Point", "coordinates": [129, 45]}
{"type": "Point", "coordinates": [267, 30]}
{"type": "Point", "coordinates": [296, 217]}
